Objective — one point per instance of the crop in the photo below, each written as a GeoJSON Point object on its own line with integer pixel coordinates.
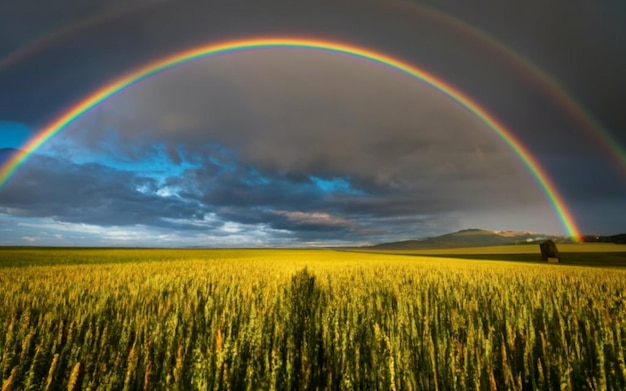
{"type": "Point", "coordinates": [305, 319]}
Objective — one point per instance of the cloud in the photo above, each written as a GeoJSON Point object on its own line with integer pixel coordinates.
{"type": "Point", "coordinates": [298, 114]}
{"type": "Point", "coordinates": [244, 146]}
{"type": "Point", "coordinates": [317, 220]}
{"type": "Point", "coordinates": [221, 145]}
{"type": "Point", "coordinates": [90, 193]}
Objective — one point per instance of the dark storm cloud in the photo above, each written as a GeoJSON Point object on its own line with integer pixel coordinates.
{"type": "Point", "coordinates": [580, 43]}
{"type": "Point", "coordinates": [98, 195]}
{"type": "Point", "coordinates": [91, 194]}
{"type": "Point", "coordinates": [598, 197]}
{"type": "Point", "coordinates": [128, 39]}
{"type": "Point", "coordinates": [241, 138]}
{"type": "Point", "coordinates": [405, 29]}
{"type": "Point", "coordinates": [291, 115]}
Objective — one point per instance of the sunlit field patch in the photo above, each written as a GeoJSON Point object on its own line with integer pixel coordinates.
{"type": "Point", "coordinates": [305, 319]}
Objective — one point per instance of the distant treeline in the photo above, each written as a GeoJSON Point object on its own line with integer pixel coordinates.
{"type": "Point", "coordinates": [620, 239]}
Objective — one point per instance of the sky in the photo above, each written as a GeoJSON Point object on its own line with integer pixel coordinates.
{"type": "Point", "coordinates": [301, 147]}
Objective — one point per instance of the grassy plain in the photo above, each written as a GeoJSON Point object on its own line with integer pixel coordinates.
{"type": "Point", "coordinates": [305, 319]}
{"type": "Point", "coordinates": [586, 254]}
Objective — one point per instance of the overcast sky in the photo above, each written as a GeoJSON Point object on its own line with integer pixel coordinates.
{"type": "Point", "coordinates": [296, 147]}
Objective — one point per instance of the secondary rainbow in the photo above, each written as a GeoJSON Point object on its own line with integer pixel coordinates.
{"type": "Point", "coordinates": [110, 89]}
{"type": "Point", "coordinates": [541, 79]}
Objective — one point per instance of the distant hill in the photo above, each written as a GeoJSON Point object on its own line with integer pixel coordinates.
{"type": "Point", "coordinates": [619, 239]}
{"type": "Point", "coordinates": [465, 238]}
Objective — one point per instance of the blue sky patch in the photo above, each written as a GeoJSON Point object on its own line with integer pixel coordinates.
{"type": "Point", "coordinates": [14, 134]}
{"type": "Point", "coordinates": [254, 177]}
{"type": "Point", "coordinates": [334, 185]}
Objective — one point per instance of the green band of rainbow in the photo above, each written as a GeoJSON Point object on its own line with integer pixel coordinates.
{"type": "Point", "coordinates": [540, 175]}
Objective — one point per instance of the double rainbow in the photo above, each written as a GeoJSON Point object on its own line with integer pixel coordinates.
{"type": "Point", "coordinates": [110, 89]}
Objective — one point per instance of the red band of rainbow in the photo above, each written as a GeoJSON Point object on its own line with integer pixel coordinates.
{"type": "Point", "coordinates": [562, 211]}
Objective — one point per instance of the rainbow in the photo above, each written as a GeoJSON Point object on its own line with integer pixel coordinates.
{"type": "Point", "coordinates": [153, 68]}
{"type": "Point", "coordinates": [531, 71]}
{"type": "Point", "coordinates": [542, 80]}
{"type": "Point", "coordinates": [54, 36]}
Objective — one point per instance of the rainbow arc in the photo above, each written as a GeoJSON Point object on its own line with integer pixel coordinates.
{"type": "Point", "coordinates": [82, 107]}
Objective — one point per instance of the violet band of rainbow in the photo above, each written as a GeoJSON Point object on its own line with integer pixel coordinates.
{"type": "Point", "coordinates": [561, 209]}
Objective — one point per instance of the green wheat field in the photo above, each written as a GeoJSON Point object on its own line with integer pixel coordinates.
{"type": "Point", "coordinates": [130, 319]}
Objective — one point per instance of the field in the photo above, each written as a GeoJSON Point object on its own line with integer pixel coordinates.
{"type": "Point", "coordinates": [305, 319]}
{"type": "Point", "coordinates": [585, 254]}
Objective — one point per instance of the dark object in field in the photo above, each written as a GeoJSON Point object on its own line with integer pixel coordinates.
{"type": "Point", "coordinates": [549, 252]}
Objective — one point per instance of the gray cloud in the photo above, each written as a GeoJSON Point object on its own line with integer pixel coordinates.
{"type": "Point", "coordinates": [241, 137]}
{"type": "Point", "coordinates": [229, 145]}
{"type": "Point", "coordinates": [91, 194]}
{"type": "Point", "coordinates": [333, 117]}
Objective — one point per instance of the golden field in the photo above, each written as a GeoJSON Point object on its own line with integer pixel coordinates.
{"type": "Point", "coordinates": [105, 319]}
